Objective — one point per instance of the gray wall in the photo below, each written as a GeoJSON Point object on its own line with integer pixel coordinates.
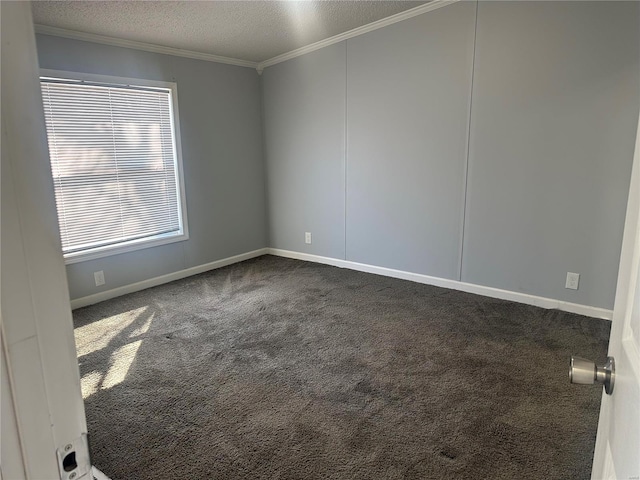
{"type": "Point", "coordinates": [221, 130]}
{"type": "Point", "coordinates": [408, 106]}
{"type": "Point", "coordinates": [365, 146]}
{"type": "Point", "coordinates": [555, 109]}
{"type": "Point", "coordinates": [304, 115]}
{"type": "Point", "coordinates": [551, 119]}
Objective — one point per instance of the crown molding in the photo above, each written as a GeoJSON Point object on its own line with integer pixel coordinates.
{"type": "Point", "coordinates": [147, 47]}
{"type": "Point", "coordinates": [398, 17]}
{"type": "Point", "coordinates": [259, 66]}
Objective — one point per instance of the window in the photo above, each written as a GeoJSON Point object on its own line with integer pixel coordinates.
{"type": "Point", "coordinates": [115, 157]}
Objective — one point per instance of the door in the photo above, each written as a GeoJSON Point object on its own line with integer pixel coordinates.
{"type": "Point", "coordinates": [41, 398]}
{"type": "Point", "coordinates": [617, 454]}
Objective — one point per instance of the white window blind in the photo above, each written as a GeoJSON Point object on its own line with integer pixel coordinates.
{"type": "Point", "coordinates": [114, 163]}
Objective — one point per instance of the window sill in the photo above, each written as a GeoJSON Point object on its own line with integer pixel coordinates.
{"type": "Point", "coordinates": [125, 247]}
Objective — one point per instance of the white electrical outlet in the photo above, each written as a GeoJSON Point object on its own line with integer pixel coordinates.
{"type": "Point", "coordinates": [307, 237]}
{"type": "Point", "coordinates": [572, 281]}
{"type": "Point", "coordinates": [99, 278]}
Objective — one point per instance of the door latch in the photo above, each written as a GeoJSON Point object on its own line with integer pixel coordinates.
{"type": "Point", "coordinates": [74, 462]}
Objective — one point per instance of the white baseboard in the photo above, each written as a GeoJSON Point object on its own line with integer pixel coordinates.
{"type": "Point", "coordinates": [170, 277]}
{"type": "Point", "coordinates": [527, 299]}
{"type": "Point", "coordinates": [98, 475]}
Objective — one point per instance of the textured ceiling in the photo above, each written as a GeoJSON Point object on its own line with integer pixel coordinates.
{"type": "Point", "coordinates": [246, 30]}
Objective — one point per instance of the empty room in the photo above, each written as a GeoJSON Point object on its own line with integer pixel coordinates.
{"type": "Point", "coordinates": [320, 240]}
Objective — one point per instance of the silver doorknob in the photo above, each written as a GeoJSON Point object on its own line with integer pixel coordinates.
{"type": "Point", "coordinates": [586, 372]}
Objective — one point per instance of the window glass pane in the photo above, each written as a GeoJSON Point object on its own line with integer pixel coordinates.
{"type": "Point", "coordinates": [113, 161]}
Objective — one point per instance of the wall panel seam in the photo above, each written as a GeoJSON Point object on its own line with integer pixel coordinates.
{"type": "Point", "coordinates": [465, 181]}
{"type": "Point", "coordinates": [346, 138]}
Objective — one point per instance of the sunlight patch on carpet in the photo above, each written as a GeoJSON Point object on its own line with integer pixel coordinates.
{"type": "Point", "coordinates": [97, 335]}
{"type": "Point", "coordinates": [144, 328]}
{"type": "Point", "coordinates": [122, 360]}
{"type": "Point", "coordinates": [90, 383]}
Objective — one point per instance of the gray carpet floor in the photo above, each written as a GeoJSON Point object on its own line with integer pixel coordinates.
{"type": "Point", "coordinates": [281, 369]}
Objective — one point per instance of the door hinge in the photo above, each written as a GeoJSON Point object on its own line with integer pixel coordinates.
{"type": "Point", "coordinates": [74, 461]}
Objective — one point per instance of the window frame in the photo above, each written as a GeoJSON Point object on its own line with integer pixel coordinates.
{"type": "Point", "coordinates": [149, 241]}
